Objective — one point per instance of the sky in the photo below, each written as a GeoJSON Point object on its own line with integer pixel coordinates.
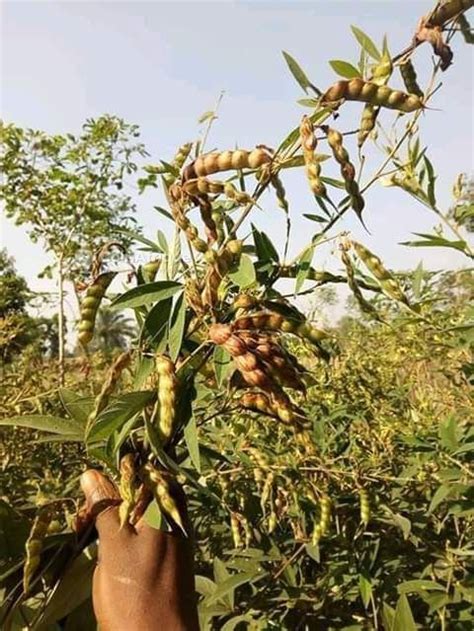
{"type": "Point", "coordinates": [162, 64]}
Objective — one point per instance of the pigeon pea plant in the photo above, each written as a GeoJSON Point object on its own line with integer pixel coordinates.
{"type": "Point", "coordinates": [222, 352]}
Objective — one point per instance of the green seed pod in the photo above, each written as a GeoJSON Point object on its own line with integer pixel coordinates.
{"type": "Point", "coordinates": [270, 321]}
{"type": "Point", "coordinates": [316, 535]}
{"type": "Point", "coordinates": [364, 506]}
{"type": "Point", "coordinates": [34, 545]}
{"type": "Point", "coordinates": [167, 391]}
{"type": "Point", "coordinates": [159, 483]}
{"type": "Point", "coordinates": [90, 305]}
{"type": "Point", "coordinates": [365, 306]}
{"type": "Point", "coordinates": [388, 283]}
{"type": "Point", "coordinates": [408, 73]}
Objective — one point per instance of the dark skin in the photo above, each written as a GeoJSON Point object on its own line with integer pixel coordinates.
{"type": "Point", "coordinates": [144, 579]}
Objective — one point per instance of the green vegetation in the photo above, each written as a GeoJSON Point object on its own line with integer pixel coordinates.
{"type": "Point", "coordinates": [328, 470]}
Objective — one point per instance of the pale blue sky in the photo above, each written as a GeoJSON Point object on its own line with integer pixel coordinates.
{"type": "Point", "coordinates": [161, 64]}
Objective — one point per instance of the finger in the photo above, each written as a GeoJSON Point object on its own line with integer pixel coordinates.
{"type": "Point", "coordinates": [102, 499]}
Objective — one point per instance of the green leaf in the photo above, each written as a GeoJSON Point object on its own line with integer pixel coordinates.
{"type": "Point", "coordinates": [192, 443]}
{"type": "Point", "coordinates": [419, 586]}
{"type": "Point", "coordinates": [74, 588]}
{"type": "Point", "coordinates": [388, 615]}
{"type": "Point", "coordinates": [264, 248]}
{"type": "Point", "coordinates": [312, 103]}
{"type": "Point", "coordinates": [431, 182]}
{"type": "Point", "coordinates": [138, 237]}
{"type": "Point", "coordinates": [231, 624]}
{"type": "Point", "coordinates": [297, 72]}
{"type": "Point", "coordinates": [244, 275]}
{"type": "Point", "coordinates": [222, 364]}
{"type": "Point", "coordinates": [418, 275]}
{"type": "Point", "coordinates": [77, 406]}
{"type": "Point", "coordinates": [220, 576]}
{"type": "Point", "coordinates": [304, 266]}
{"type": "Point", "coordinates": [435, 241]}
{"type": "Point", "coordinates": [365, 589]}
{"type": "Point", "coordinates": [206, 116]}
{"type": "Point", "coordinates": [117, 413]}
{"type": "Point", "coordinates": [230, 585]}
{"type": "Point", "coordinates": [153, 516]}
{"type": "Point", "coordinates": [448, 434]}
{"type": "Point", "coordinates": [44, 423]}
{"type": "Point", "coordinates": [317, 218]}
{"type": "Point", "coordinates": [403, 619]}
{"type": "Point", "coordinates": [14, 531]}
{"type": "Point", "coordinates": [155, 327]}
{"type": "Point", "coordinates": [164, 212]}
{"type": "Point", "coordinates": [439, 496]}
{"type": "Point", "coordinates": [146, 294]}
{"type": "Point", "coordinates": [366, 43]}
{"type": "Point", "coordinates": [177, 324]}
{"type": "Point", "coordinates": [344, 69]}
{"type": "Point", "coordinates": [204, 585]}
{"type": "Point", "coordinates": [162, 242]}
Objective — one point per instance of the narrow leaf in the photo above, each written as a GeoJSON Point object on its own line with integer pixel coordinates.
{"type": "Point", "coordinates": [366, 43]}
{"type": "Point", "coordinates": [344, 69]}
{"type": "Point", "coordinates": [146, 294]}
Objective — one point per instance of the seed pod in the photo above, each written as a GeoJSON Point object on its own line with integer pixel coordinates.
{"type": "Point", "coordinates": [280, 192]}
{"type": "Point", "coordinates": [150, 270]}
{"type": "Point", "coordinates": [127, 488]}
{"type": "Point", "coordinates": [364, 305]}
{"type": "Point", "coordinates": [373, 94]}
{"type": "Point", "coordinates": [312, 166]}
{"type": "Point", "coordinates": [408, 73]}
{"type": "Point", "coordinates": [205, 208]}
{"type": "Point", "coordinates": [347, 169]}
{"type": "Point", "coordinates": [235, 529]}
{"type": "Point", "coordinates": [380, 76]}
{"type": "Point", "coordinates": [90, 305]}
{"type": "Point", "coordinates": [102, 400]}
{"type": "Point", "coordinates": [159, 483]}
{"type": "Point", "coordinates": [270, 321]}
{"type": "Point", "coordinates": [325, 518]}
{"type": "Point", "coordinates": [388, 283]}
{"type": "Point", "coordinates": [267, 489]}
{"type": "Point", "coordinates": [367, 122]}
{"type": "Point", "coordinates": [202, 185]}
{"type": "Point", "coordinates": [364, 506]}
{"type": "Point", "coordinates": [272, 522]}
{"type": "Point", "coordinates": [216, 162]}
{"type": "Point", "coordinates": [244, 301]}
{"type": "Point", "coordinates": [316, 535]}
{"type": "Point", "coordinates": [192, 292]}
{"type": "Point", "coordinates": [34, 545]}
{"type": "Point", "coordinates": [446, 11]}
{"type": "Point", "coordinates": [178, 161]}
{"type": "Point", "coordinates": [167, 389]}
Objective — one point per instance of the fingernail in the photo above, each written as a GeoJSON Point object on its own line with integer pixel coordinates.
{"type": "Point", "coordinates": [97, 487]}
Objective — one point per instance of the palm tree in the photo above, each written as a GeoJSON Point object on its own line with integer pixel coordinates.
{"type": "Point", "coordinates": [112, 330]}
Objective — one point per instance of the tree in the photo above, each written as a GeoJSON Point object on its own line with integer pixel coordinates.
{"type": "Point", "coordinates": [68, 191]}
{"type": "Point", "coordinates": [113, 330]}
